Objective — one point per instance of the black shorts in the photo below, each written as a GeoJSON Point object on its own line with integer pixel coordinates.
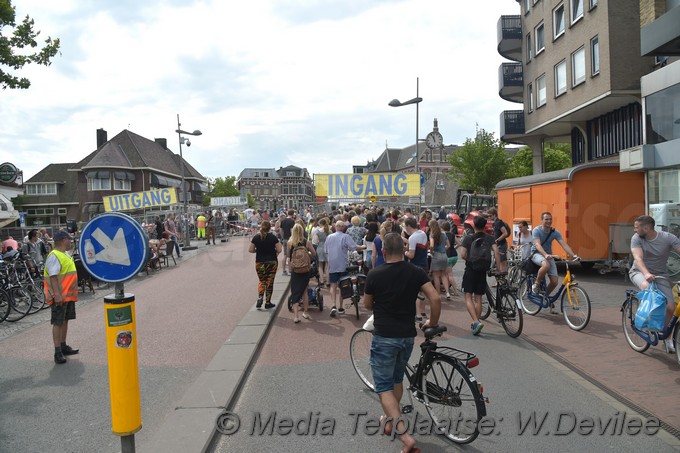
{"type": "Point", "coordinates": [474, 281]}
{"type": "Point", "coordinates": [62, 312]}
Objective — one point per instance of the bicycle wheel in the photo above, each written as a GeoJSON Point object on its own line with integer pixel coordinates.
{"type": "Point", "coordinates": [577, 313]}
{"type": "Point", "coordinates": [511, 316]}
{"type": "Point", "coordinates": [355, 301]}
{"type": "Point", "coordinates": [450, 393]}
{"type": "Point", "coordinates": [530, 308]}
{"type": "Point", "coordinates": [635, 341]}
{"type": "Point", "coordinates": [4, 305]}
{"type": "Point", "coordinates": [360, 353]}
{"type": "Point", "coordinates": [37, 298]}
{"type": "Point", "coordinates": [20, 303]}
{"type": "Point", "coordinates": [676, 340]}
{"type": "Point", "coordinates": [487, 301]}
{"type": "Point", "coordinates": [673, 264]}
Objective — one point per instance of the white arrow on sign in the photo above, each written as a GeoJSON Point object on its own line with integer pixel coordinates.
{"type": "Point", "coordinates": [115, 251]}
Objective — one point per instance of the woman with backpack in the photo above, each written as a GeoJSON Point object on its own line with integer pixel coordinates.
{"type": "Point", "coordinates": [301, 252]}
{"type": "Point", "coordinates": [266, 247]}
{"type": "Point", "coordinates": [439, 243]}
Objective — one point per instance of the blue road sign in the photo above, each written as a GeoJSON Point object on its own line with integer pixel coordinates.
{"type": "Point", "coordinates": [113, 247]}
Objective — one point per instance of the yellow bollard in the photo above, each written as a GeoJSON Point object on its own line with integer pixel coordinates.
{"type": "Point", "coordinates": [121, 345]}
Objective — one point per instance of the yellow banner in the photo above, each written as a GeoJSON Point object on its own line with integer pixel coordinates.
{"type": "Point", "coordinates": [356, 185]}
{"type": "Point", "coordinates": [140, 200]}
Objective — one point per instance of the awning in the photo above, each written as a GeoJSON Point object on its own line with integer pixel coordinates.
{"type": "Point", "coordinates": [124, 175]}
{"type": "Point", "coordinates": [199, 186]}
{"type": "Point", "coordinates": [99, 174]}
{"type": "Point", "coordinates": [164, 181]}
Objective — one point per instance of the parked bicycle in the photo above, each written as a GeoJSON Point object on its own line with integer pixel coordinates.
{"type": "Point", "coordinates": [352, 286]}
{"type": "Point", "coordinates": [574, 301]}
{"type": "Point", "coordinates": [505, 303]}
{"type": "Point", "coordinates": [441, 380]}
{"type": "Point", "coordinates": [14, 300]}
{"type": "Point", "coordinates": [641, 340]}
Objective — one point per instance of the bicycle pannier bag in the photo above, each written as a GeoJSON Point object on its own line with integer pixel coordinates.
{"type": "Point", "coordinates": [651, 313]}
{"type": "Point", "coordinates": [480, 253]}
{"type": "Point", "coordinates": [528, 266]}
{"type": "Point", "coordinates": [300, 261]}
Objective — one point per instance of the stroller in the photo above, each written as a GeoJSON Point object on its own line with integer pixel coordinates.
{"type": "Point", "coordinates": [313, 293]}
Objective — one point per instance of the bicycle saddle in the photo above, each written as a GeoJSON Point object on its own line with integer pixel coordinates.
{"type": "Point", "coordinates": [434, 331]}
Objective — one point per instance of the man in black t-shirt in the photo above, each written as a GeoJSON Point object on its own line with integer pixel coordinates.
{"type": "Point", "coordinates": [501, 232]}
{"type": "Point", "coordinates": [390, 292]}
{"type": "Point", "coordinates": [285, 227]}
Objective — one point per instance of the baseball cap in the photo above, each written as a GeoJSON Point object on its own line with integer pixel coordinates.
{"type": "Point", "coordinates": [61, 234]}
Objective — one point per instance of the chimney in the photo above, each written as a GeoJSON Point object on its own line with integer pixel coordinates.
{"type": "Point", "coordinates": [162, 141]}
{"type": "Point", "coordinates": [101, 137]}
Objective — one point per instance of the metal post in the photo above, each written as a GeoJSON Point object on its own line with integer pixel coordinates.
{"type": "Point", "coordinates": [184, 189]}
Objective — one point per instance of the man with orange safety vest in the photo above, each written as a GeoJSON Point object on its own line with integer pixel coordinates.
{"type": "Point", "coordinates": [200, 226]}
{"type": "Point", "coordinates": [61, 292]}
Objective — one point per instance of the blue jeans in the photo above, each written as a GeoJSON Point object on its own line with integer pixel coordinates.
{"type": "Point", "coordinates": [389, 357]}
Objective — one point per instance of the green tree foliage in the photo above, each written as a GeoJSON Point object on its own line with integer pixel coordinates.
{"type": "Point", "coordinates": [14, 47]}
{"type": "Point", "coordinates": [251, 200]}
{"type": "Point", "coordinates": [480, 163]}
{"type": "Point", "coordinates": [223, 187]}
{"type": "Point", "coordinates": [556, 157]}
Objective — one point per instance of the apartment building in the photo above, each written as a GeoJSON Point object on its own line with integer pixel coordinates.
{"type": "Point", "coordinates": [288, 187]}
{"type": "Point", "coordinates": [575, 68]}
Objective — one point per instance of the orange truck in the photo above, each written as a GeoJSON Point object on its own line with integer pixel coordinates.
{"type": "Point", "coordinates": [593, 206]}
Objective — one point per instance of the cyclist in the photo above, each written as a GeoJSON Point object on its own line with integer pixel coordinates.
{"type": "Point", "coordinates": [542, 255]}
{"type": "Point", "coordinates": [651, 249]}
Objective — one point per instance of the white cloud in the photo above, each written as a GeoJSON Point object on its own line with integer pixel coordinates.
{"type": "Point", "coordinates": [270, 83]}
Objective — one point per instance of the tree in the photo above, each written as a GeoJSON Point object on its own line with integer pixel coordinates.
{"type": "Point", "coordinates": [556, 157]}
{"type": "Point", "coordinates": [480, 163]}
{"type": "Point", "coordinates": [12, 47]}
{"type": "Point", "coordinates": [251, 200]}
{"type": "Point", "coordinates": [223, 187]}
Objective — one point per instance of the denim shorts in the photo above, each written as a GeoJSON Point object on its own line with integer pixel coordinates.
{"type": "Point", "coordinates": [334, 277]}
{"type": "Point", "coordinates": [389, 357]}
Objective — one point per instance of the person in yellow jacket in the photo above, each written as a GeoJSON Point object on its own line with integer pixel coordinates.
{"type": "Point", "coordinates": [61, 292]}
{"type": "Point", "coordinates": [200, 226]}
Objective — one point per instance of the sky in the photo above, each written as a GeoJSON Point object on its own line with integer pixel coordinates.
{"type": "Point", "coordinates": [269, 83]}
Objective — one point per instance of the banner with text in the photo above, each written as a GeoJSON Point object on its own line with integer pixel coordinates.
{"type": "Point", "coordinates": [365, 185]}
{"type": "Point", "coordinates": [226, 201]}
{"type": "Point", "coordinates": [140, 200]}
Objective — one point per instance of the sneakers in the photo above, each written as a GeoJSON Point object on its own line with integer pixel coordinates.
{"type": "Point", "coordinates": [269, 305]}
{"type": "Point", "coordinates": [419, 318]}
{"type": "Point", "coordinates": [477, 327]}
{"type": "Point", "coordinates": [535, 288]}
{"type": "Point", "coordinates": [285, 273]}
{"type": "Point", "coordinates": [670, 347]}
{"type": "Point", "coordinates": [68, 350]}
{"type": "Point", "coordinates": [334, 311]}
{"type": "Point", "coordinates": [553, 310]}
{"type": "Point", "coordinates": [341, 311]}
{"type": "Point", "coordinates": [258, 304]}
{"type": "Point", "coordinates": [59, 357]}
{"type": "Point", "coordinates": [306, 315]}
{"type": "Point", "coordinates": [448, 296]}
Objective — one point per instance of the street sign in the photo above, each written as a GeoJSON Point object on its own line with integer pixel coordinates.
{"type": "Point", "coordinates": [113, 247]}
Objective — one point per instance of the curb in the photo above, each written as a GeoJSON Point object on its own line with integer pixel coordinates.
{"type": "Point", "coordinates": [192, 426]}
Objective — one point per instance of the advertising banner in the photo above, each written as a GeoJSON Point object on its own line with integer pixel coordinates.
{"type": "Point", "coordinates": [365, 185]}
{"type": "Point", "coordinates": [140, 200]}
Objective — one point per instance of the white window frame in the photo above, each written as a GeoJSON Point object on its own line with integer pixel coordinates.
{"type": "Point", "coordinates": [595, 55]}
{"type": "Point", "coordinates": [557, 33]}
{"type": "Point", "coordinates": [539, 80]}
{"type": "Point", "coordinates": [61, 211]}
{"type": "Point", "coordinates": [121, 184]}
{"type": "Point", "coordinates": [41, 189]}
{"type": "Point", "coordinates": [573, 10]}
{"type": "Point", "coordinates": [529, 46]}
{"type": "Point", "coordinates": [530, 97]}
{"type": "Point", "coordinates": [561, 78]}
{"type": "Point", "coordinates": [593, 4]}
{"type": "Point", "coordinates": [98, 184]}
{"type": "Point", "coordinates": [540, 48]}
{"type": "Point", "coordinates": [578, 79]}
{"type": "Point", "coordinates": [527, 6]}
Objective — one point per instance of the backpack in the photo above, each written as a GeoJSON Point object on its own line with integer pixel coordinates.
{"type": "Point", "coordinates": [300, 261]}
{"type": "Point", "coordinates": [480, 253]}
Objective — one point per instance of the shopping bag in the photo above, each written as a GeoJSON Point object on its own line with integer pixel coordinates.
{"type": "Point", "coordinates": [651, 313]}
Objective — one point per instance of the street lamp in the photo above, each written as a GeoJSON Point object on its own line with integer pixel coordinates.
{"type": "Point", "coordinates": [416, 100]}
{"type": "Point", "coordinates": [183, 140]}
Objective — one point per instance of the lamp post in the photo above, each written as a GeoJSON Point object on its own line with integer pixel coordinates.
{"type": "Point", "coordinates": [416, 100]}
{"type": "Point", "coordinates": [183, 140]}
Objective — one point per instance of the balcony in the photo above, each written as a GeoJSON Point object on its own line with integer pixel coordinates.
{"type": "Point", "coordinates": [512, 125]}
{"type": "Point", "coordinates": [511, 82]}
{"type": "Point", "coordinates": [662, 36]}
{"type": "Point", "coordinates": [510, 37]}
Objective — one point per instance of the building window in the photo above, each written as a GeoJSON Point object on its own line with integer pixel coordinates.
{"type": "Point", "coordinates": [290, 173]}
{"type": "Point", "coordinates": [593, 4]}
{"type": "Point", "coordinates": [98, 183]}
{"type": "Point", "coordinates": [121, 184]}
{"type": "Point", "coordinates": [542, 97]}
{"type": "Point", "coordinates": [527, 6]}
{"type": "Point", "coordinates": [41, 189]}
{"type": "Point", "coordinates": [576, 10]}
{"type": "Point", "coordinates": [578, 67]}
{"type": "Point", "coordinates": [560, 78]}
{"type": "Point", "coordinates": [595, 56]}
{"type": "Point", "coordinates": [540, 38]}
{"type": "Point", "coordinates": [558, 21]}
{"type": "Point", "coordinates": [663, 115]}
{"type": "Point", "coordinates": [530, 97]}
{"type": "Point", "coordinates": [528, 47]}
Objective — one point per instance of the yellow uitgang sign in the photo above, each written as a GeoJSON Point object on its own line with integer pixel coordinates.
{"type": "Point", "coordinates": [140, 200]}
{"type": "Point", "coordinates": [365, 185]}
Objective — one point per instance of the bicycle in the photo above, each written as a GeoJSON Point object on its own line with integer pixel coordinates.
{"type": "Point", "coordinates": [441, 380]}
{"type": "Point", "coordinates": [574, 301]}
{"type": "Point", "coordinates": [509, 311]}
{"type": "Point", "coordinates": [641, 340]}
{"type": "Point", "coordinates": [14, 299]}
{"type": "Point", "coordinates": [352, 286]}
